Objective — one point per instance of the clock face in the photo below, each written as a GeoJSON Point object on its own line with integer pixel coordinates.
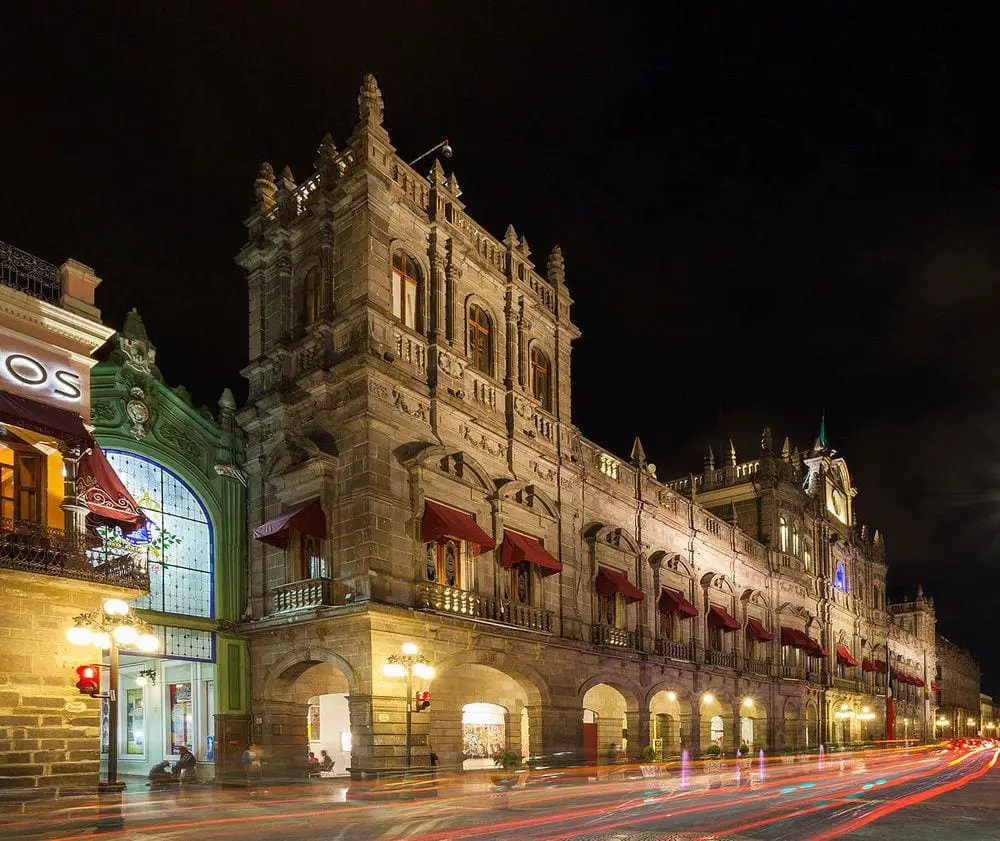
{"type": "Point", "coordinates": [838, 505]}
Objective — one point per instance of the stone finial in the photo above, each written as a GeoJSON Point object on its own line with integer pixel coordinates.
{"type": "Point", "coordinates": [326, 158]}
{"type": "Point", "coordinates": [510, 237]}
{"type": "Point", "coordinates": [731, 454]}
{"type": "Point", "coordinates": [638, 453]}
{"type": "Point", "coordinates": [733, 516]}
{"type": "Point", "coordinates": [227, 401]}
{"type": "Point", "coordinates": [184, 395]}
{"type": "Point", "coordinates": [286, 175]}
{"type": "Point", "coordinates": [796, 457]}
{"type": "Point", "coordinates": [370, 105]}
{"type": "Point", "coordinates": [133, 328]}
{"type": "Point", "coordinates": [556, 267]}
{"type": "Point", "coordinates": [264, 188]}
{"type": "Point", "coordinates": [436, 175]}
{"type": "Point", "coordinates": [766, 442]}
{"type": "Point", "coordinates": [453, 187]}
{"type": "Point", "coordinates": [920, 593]}
{"type": "Point", "coordinates": [709, 458]}
{"type": "Point", "coordinates": [523, 247]}
{"type": "Point", "coordinates": [786, 449]}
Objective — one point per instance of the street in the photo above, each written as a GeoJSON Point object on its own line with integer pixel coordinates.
{"type": "Point", "coordinates": [923, 793]}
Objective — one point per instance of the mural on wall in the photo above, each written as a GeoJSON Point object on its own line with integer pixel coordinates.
{"type": "Point", "coordinates": [177, 538]}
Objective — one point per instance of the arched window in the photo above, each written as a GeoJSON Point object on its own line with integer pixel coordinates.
{"type": "Point", "coordinates": [541, 378]}
{"type": "Point", "coordinates": [782, 534]}
{"type": "Point", "coordinates": [840, 578]}
{"type": "Point", "coordinates": [795, 539]}
{"type": "Point", "coordinates": [481, 339]}
{"type": "Point", "coordinates": [407, 290]}
{"type": "Point", "coordinates": [807, 558]}
{"type": "Point", "coordinates": [177, 537]}
{"type": "Point", "coordinates": [313, 299]}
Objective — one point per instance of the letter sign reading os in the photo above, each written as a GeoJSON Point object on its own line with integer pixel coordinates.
{"type": "Point", "coordinates": [24, 370]}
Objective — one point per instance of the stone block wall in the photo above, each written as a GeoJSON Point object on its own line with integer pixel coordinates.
{"type": "Point", "coordinates": [49, 732]}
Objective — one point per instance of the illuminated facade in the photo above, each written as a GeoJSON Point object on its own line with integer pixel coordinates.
{"type": "Point", "coordinates": [55, 487]}
{"type": "Point", "coordinates": [414, 474]}
{"type": "Point", "coordinates": [182, 465]}
{"type": "Point", "coordinates": [958, 699]}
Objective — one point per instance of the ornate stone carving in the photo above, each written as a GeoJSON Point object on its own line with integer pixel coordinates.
{"type": "Point", "coordinates": [481, 442]}
{"type": "Point", "coordinates": [451, 365]}
{"type": "Point", "coordinates": [233, 472]}
{"type": "Point", "coordinates": [172, 435]}
{"type": "Point", "coordinates": [138, 412]}
{"type": "Point", "coordinates": [103, 411]}
{"type": "Point", "coordinates": [543, 471]}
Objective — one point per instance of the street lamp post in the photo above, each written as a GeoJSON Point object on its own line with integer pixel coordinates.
{"type": "Point", "coordinates": [107, 628]}
{"type": "Point", "coordinates": [407, 664]}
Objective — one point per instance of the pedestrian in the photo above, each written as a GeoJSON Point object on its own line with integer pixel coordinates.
{"type": "Point", "coordinates": [325, 762]}
{"type": "Point", "coordinates": [253, 765]}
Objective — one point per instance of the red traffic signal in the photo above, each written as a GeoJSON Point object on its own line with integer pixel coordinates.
{"type": "Point", "coordinates": [423, 700]}
{"type": "Point", "coordinates": [89, 682]}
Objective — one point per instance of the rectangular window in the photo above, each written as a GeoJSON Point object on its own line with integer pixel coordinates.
{"type": "Point", "coordinates": [410, 304]}
{"type": "Point", "coordinates": [450, 563]}
{"type": "Point", "coordinates": [21, 486]}
{"type": "Point", "coordinates": [715, 639]}
{"type": "Point", "coordinates": [611, 611]}
{"type": "Point", "coordinates": [521, 583]}
{"type": "Point", "coordinates": [135, 722]}
{"type": "Point", "coordinates": [397, 295]}
{"type": "Point", "coordinates": [669, 626]}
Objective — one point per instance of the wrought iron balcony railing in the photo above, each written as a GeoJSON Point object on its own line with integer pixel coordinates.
{"type": "Point", "coordinates": [31, 547]}
{"type": "Point", "coordinates": [615, 637]}
{"type": "Point", "coordinates": [673, 649]}
{"type": "Point", "coordinates": [452, 600]}
{"type": "Point", "coordinates": [29, 274]}
{"type": "Point", "coordinates": [757, 667]}
{"type": "Point", "coordinates": [298, 595]}
{"type": "Point", "coordinates": [724, 659]}
{"type": "Point", "coordinates": [793, 672]}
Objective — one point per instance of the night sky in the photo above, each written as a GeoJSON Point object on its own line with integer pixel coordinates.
{"type": "Point", "coordinates": [762, 216]}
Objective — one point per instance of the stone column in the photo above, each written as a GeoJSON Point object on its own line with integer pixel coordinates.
{"type": "Point", "coordinates": [73, 506]}
{"type": "Point", "coordinates": [553, 729]}
{"type": "Point", "coordinates": [691, 733]}
{"type": "Point", "coordinates": [283, 738]}
{"type": "Point", "coordinates": [638, 732]}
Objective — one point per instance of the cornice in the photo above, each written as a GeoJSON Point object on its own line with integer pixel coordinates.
{"type": "Point", "coordinates": [77, 328]}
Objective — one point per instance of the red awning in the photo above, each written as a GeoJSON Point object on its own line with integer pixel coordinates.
{"type": "Point", "coordinates": [868, 666]}
{"type": "Point", "coordinates": [757, 632]}
{"type": "Point", "coordinates": [795, 638]}
{"type": "Point", "coordinates": [718, 617]}
{"type": "Point", "coordinates": [610, 581]}
{"type": "Point", "coordinates": [519, 547]}
{"type": "Point", "coordinates": [104, 494]}
{"type": "Point", "coordinates": [903, 677]}
{"type": "Point", "coordinates": [673, 602]}
{"type": "Point", "coordinates": [844, 656]}
{"type": "Point", "coordinates": [31, 414]}
{"type": "Point", "coordinates": [443, 521]}
{"type": "Point", "coordinates": [881, 667]}
{"type": "Point", "coordinates": [816, 649]}
{"type": "Point", "coordinates": [935, 687]}
{"type": "Point", "coordinates": [306, 517]}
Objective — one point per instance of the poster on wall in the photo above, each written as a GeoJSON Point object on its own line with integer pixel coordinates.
{"type": "Point", "coordinates": [181, 716]}
{"type": "Point", "coordinates": [105, 726]}
{"type": "Point", "coordinates": [481, 741]}
{"type": "Point", "coordinates": [313, 724]}
{"type": "Point", "coordinates": [135, 723]}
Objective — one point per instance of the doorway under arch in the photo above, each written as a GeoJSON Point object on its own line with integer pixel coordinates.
{"type": "Point", "coordinates": [716, 723]}
{"type": "Point", "coordinates": [669, 718]}
{"type": "Point", "coordinates": [606, 708]}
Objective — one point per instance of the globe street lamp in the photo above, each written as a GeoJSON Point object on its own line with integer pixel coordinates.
{"type": "Point", "coordinates": [111, 625]}
{"type": "Point", "coordinates": [407, 664]}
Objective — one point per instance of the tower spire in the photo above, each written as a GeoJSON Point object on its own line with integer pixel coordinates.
{"type": "Point", "coordinates": [821, 443]}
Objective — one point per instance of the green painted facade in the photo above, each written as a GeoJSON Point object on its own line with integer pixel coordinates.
{"type": "Point", "coordinates": [134, 411]}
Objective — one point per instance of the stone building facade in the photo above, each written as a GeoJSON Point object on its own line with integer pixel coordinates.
{"type": "Point", "coordinates": [54, 485]}
{"type": "Point", "coordinates": [183, 464]}
{"type": "Point", "coordinates": [958, 681]}
{"type": "Point", "coordinates": [415, 475]}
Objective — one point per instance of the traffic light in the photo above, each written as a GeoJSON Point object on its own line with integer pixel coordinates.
{"type": "Point", "coordinates": [423, 700]}
{"type": "Point", "coordinates": [89, 682]}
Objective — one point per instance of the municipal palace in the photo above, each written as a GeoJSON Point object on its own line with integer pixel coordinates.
{"type": "Point", "coordinates": [405, 486]}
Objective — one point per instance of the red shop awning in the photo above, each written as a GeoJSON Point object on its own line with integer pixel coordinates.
{"type": "Point", "coordinates": [610, 581]}
{"type": "Point", "coordinates": [795, 638]}
{"type": "Point", "coordinates": [441, 521]}
{"type": "Point", "coordinates": [757, 632]}
{"type": "Point", "coordinates": [868, 666]}
{"type": "Point", "coordinates": [519, 547]}
{"type": "Point", "coordinates": [718, 617]}
{"type": "Point", "coordinates": [673, 602]}
{"type": "Point", "coordinates": [816, 649]}
{"type": "Point", "coordinates": [41, 417]}
{"type": "Point", "coordinates": [844, 656]}
{"type": "Point", "coordinates": [935, 687]}
{"type": "Point", "coordinates": [306, 517]}
{"type": "Point", "coordinates": [104, 494]}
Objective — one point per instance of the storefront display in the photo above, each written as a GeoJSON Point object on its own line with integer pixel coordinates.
{"type": "Point", "coordinates": [180, 716]}
{"type": "Point", "coordinates": [135, 722]}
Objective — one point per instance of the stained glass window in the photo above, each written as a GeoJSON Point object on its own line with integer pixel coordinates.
{"type": "Point", "coordinates": [177, 540]}
{"type": "Point", "coordinates": [840, 579]}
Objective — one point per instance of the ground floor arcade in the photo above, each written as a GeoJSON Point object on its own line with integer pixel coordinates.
{"type": "Point", "coordinates": [321, 686]}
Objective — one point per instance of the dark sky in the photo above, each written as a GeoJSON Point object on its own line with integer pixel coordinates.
{"type": "Point", "coordinates": [763, 216]}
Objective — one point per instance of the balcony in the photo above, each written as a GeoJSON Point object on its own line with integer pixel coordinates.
{"type": "Point", "coordinates": [793, 672]}
{"type": "Point", "coordinates": [30, 547]}
{"type": "Point", "coordinates": [849, 683]}
{"type": "Point", "coordinates": [722, 659]}
{"type": "Point", "coordinates": [673, 649]}
{"type": "Point", "coordinates": [299, 595]}
{"type": "Point", "coordinates": [458, 602]}
{"type": "Point", "coordinates": [615, 637]}
{"type": "Point", "coordinates": [29, 274]}
{"type": "Point", "coordinates": [757, 667]}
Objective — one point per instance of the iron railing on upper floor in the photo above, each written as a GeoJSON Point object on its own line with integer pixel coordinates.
{"type": "Point", "coordinates": [29, 274]}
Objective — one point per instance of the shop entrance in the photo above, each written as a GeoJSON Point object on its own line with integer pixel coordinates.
{"type": "Point", "coordinates": [484, 733]}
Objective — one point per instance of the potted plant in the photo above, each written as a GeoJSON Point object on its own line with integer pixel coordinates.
{"type": "Point", "coordinates": [648, 762]}
{"type": "Point", "coordinates": [506, 760]}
